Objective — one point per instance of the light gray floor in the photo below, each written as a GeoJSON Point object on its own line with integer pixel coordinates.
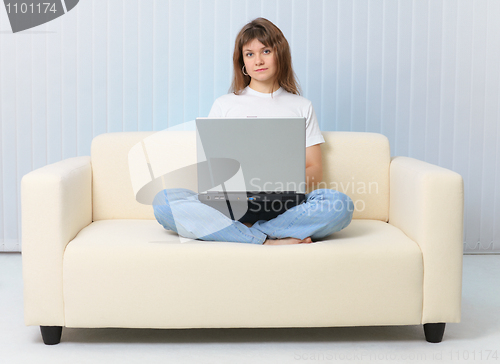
{"type": "Point", "coordinates": [476, 337]}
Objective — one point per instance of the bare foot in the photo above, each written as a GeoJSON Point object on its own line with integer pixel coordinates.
{"type": "Point", "coordinates": [287, 241]}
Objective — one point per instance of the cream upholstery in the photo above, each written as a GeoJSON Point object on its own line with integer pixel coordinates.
{"type": "Point", "coordinates": [56, 204]}
{"type": "Point", "coordinates": [349, 279]}
{"type": "Point", "coordinates": [357, 164]}
{"type": "Point", "coordinates": [427, 205]}
{"type": "Point", "coordinates": [95, 257]}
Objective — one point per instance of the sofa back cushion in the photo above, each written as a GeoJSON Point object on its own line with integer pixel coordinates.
{"type": "Point", "coordinates": [132, 166]}
{"type": "Point", "coordinates": [128, 165]}
{"type": "Point", "coordinates": [357, 164]}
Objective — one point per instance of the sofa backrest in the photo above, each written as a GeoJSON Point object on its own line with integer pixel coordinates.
{"type": "Point", "coordinates": [357, 164]}
{"type": "Point", "coordinates": [131, 166]}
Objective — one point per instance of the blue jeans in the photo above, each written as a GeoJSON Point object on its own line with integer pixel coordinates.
{"type": "Point", "coordinates": [323, 212]}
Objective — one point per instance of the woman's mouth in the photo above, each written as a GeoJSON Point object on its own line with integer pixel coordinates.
{"type": "Point", "coordinates": [261, 69]}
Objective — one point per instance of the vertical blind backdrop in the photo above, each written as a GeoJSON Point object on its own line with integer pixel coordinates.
{"type": "Point", "coordinates": [425, 73]}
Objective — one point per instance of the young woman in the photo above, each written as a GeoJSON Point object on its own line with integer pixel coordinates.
{"type": "Point", "coordinates": [263, 85]}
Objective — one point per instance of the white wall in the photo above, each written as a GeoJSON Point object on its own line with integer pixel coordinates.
{"type": "Point", "coordinates": [424, 73]}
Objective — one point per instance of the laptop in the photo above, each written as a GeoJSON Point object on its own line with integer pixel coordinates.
{"type": "Point", "coordinates": [251, 168]}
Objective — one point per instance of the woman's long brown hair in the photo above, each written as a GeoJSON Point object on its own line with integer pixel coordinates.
{"type": "Point", "coordinates": [271, 36]}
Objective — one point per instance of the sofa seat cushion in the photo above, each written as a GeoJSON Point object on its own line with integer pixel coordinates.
{"type": "Point", "coordinates": [133, 273]}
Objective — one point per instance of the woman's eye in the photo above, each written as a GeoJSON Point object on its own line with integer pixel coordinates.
{"type": "Point", "coordinates": [267, 51]}
{"type": "Point", "coordinates": [249, 54]}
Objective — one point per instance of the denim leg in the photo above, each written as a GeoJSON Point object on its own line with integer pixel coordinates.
{"type": "Point", "coordinates": [179, 210]}
{"type": "Point", "coordinates": [324, 212]}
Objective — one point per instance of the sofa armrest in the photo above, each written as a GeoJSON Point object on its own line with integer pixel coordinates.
{"type": "Point", "coordinates": [56, 203]}
{"type": "Point", "coordinates": [427, 204]}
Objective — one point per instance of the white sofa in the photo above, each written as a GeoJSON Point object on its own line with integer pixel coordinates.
{"type": "Point", "coordinates": [95, 257]}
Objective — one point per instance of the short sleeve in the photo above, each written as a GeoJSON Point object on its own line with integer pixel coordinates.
{"type": "Point", "coordinates": [313, 133]}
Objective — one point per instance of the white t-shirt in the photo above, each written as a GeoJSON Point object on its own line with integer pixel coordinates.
{"type": "Point", "coordinates": [281, 103]}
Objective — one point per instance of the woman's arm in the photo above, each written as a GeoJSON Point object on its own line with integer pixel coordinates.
{"type": "Point", "coordinates": [314, 166]}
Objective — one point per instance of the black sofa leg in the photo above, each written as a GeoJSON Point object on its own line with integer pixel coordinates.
{"type": "Point", "coordinates": [51, 335]}
{"type": "Point", "coordinates": [434, 332]}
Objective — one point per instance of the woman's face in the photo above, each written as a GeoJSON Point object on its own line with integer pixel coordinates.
{"type": "Point", "coordinates": [260, 64]}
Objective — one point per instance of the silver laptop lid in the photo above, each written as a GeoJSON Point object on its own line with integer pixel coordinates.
{"type": "Point", "coordinates": [263, 154]}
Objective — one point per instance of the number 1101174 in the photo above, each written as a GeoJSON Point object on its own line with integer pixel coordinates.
{"type": "Point", "coordinates": [23, 8]}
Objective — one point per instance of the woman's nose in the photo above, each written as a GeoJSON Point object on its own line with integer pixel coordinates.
{"type": "Point", "coordinates": [258, 60]}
